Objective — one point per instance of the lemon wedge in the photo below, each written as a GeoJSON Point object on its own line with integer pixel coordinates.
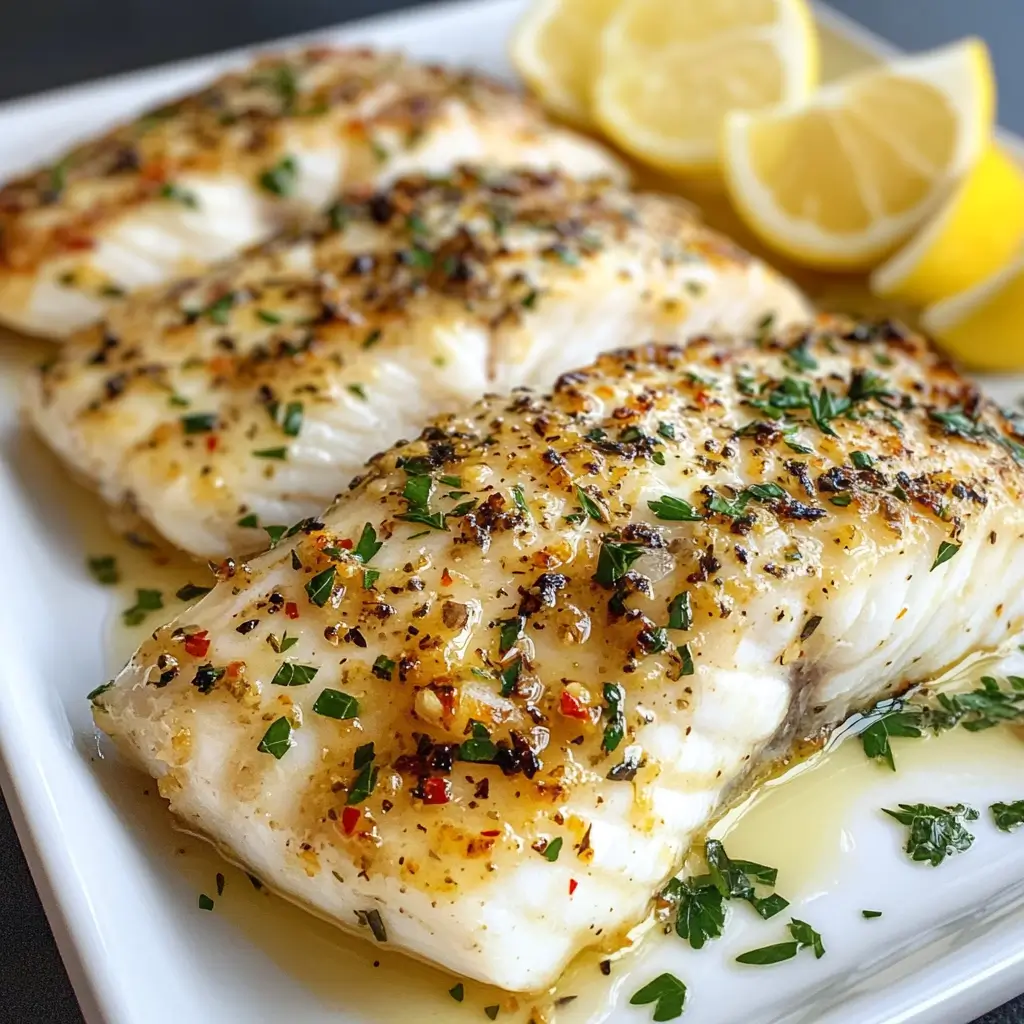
{"type": "Point", "coordinates": [977, 232]}
{"type": "Point", "coordinates": [982, 326]}
{"type": "Point", "coordinates": [670, 70]}
{"type": "Point", "coordinates": [555, 49]}
{"type": "Point", "coordinates": [840, 180]}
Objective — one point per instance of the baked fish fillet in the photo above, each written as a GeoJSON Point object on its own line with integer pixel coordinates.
{"type": "Point", "coordinates": [530, 654]}
{"type": "Point", "coordinates": [253, 394]}
{"type": "Point", "coordinates": [199, 179]}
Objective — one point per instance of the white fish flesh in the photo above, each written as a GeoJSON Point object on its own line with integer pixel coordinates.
{"type": "Point", "coordinates": [199, 179]}
{"type": "Point", "coordinates": [247, 398]}
{"type": "Point", "coordinates": [530, 654]}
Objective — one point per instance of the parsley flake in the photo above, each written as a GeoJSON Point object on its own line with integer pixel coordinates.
{"type": "Point", "coordinates": [291, 674]}
{"type": "Point", "coordinates": [336, 704]}
{"type": "Point", "coordinates": [667, 993]}
{"type": "Point", "coordinates": [277, 739]}
{"type": "Point", "coordinates": [674, 510]}
{"type": "Point", "coordinates": [146, 601]}
{"type": "Point", "coordinates": [935, 832]}
{"type": "Point", "coordinates": [104, 569]}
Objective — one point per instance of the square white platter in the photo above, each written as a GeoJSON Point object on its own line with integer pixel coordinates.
{"type": "Point", "coordinates": [120, 886]}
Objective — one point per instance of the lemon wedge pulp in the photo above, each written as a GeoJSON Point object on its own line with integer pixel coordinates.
{"type": "Point", "coordinates": [842, 178]}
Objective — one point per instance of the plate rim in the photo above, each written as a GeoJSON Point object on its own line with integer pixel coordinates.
{"type": "Point", "coordinates": [23, 777]}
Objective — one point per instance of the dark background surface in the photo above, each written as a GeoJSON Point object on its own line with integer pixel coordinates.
{"type": "Point", "coordinates": [49, 43]}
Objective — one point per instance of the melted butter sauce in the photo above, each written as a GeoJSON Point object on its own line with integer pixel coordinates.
{"type": "Point", "coordinates": [797, 822]}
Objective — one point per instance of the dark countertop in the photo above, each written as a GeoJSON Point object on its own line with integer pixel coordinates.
{"type": "Point", "coordinates": [48, 43]}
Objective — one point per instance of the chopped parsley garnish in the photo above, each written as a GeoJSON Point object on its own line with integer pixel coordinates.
{"type": "Point", "coordinates": [861, 460]}
{"type": "Point", "coordinates": [680, 612]}
{"type": "Point", "coordinates": [274, 535]}
{"type": "Point", "coordinates": [383, 667]}
{"type": "Point", "coordinates": [370, 577]}
{"type": "Point", "coordinates": [667, 993]}
{"type": "Point", "coordinates": [104, 569]}
{"type": "Point", "coordinates": [335, 704]}
{"type": "Point", "coordinates": [510, 677]}
{"type": "Point", "coordinates": [935, 832]}
{"type": "Point", "coordinates": [291, 674]}
{"type": "Point", "coordinates": [804, 937]}
{"type": "Point", "coordinates": [205, 903]}
{"type": "Point", "coordinates": [590, 506]}
{"type": "Point", "coordinates": [288, 416]}
{"type": "Point", "coordinates": [249, 522]}
{"type": "Point", "coordinates": [285, 643]}
{"type": "Point", "coordinates": [1008, 816]}
{"type": "Point", "coordinates": [419, 257]}
{"type": "Point", "coordinates": [667, 430]}
{"type": "Point", "coordinates": [479, 747]}
{"type": "Point", "coordinates": [732, 509]}
{"type": "Point", "coordinates": [368, 545]}
{"type": "Point", "coordinates": [520, 499]}
{"type": "Point", "coordinates": [869, 914]}
{"type": "Point", "coordinates": [179, 195]}
{"type": "Point", "coordinates": [615, 727]}
{"type": "Point", "coordinates": [509, 631]}
{"type": "Point", "coordinates": [674, 509]}
{"type": "Point", "coordinates": [366, 781]}
{"type": "Point", "coordinates": [875, 738]}
{"type": "Point", "coordinates": [372, 338]}
{"type": "Point", "coordinates": [359, 390]}
{"type": "Point", "coordinates": [614, 561]}
{"type": "Point", "coordinates": [321, 586]}
{"type": "Point", "coordinates": [947, 549]}
{"type": "Point", "coordinates": [277, 739]}
{"type": "Point", "coordinates": [219, 310]}
{"type": "Point", "coordinates": [800, 359]}
{"type": "Point", "coordinates": [268, 316]}
{"type": "Point", "coordinates": [146, 601]}
{"type": "Point", "coordinates": [271, 453]}
{"type": "Point", "coordinates": [191, 591]}
{"type": "Point", "coordinates": [975, 710]}
{"type": "Point", "coordinates": [492, 1011]}
{"type": "Point", "coordinates": [281, 179]}
{"type": "Point", "coordinates": [700, 909]}
{"type": "Point", "coordinates": [457, 992]}
{"type": "Point", "coordinates": [686, 658]}
{"type": "Point", "coordinates": [417, 491]}
{"type": "Point", "coordinates": [199, 422]}
{"type": "Point", "coordinates": [766, 492]}
{"type": "Point", "coordinates": [553, 849]}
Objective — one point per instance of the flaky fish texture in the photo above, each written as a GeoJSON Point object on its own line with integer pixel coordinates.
{"type": "Point", "coordinates": [199, 179]}
{"type": "Point", "coordinates": [247, 398]}
{"type": "Point", "coordinates": [481, 706]}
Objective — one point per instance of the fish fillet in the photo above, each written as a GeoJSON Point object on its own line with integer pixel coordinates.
{"type": "Point", "coordinates": [248, 398]}
{"type": "Point", "coordinates": [199, 179]}
{"type": "Point", "coordinates": [531, 653]}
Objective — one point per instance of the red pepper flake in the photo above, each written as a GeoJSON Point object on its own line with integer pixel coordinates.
{"type": "Point", "coordinates": [197, 644]}
{"type": "Point", "coordinates": [491, 833]}
{"type": "Point", "coordinates": [346, 544]}
{"type": "Point", "coordinates": [350, 817]}
{"type": "Point", "coordinates": [436, 791]}
{"type": "Point", "coordinates": [291, 609]}
{"type": "Point", "coordinates": [572, 708]}
{"type": "Point", "coordinates": [446, 578]}
{"type": "Point", "coordinates": [211, 442]}
{"type": "Point", "coordinates": [572, 885]}
{"type": "Point", "coordinates": [235, 669]}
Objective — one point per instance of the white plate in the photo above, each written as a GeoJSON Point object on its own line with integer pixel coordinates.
{"type": "Point", "coordinates": [121, 888]}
